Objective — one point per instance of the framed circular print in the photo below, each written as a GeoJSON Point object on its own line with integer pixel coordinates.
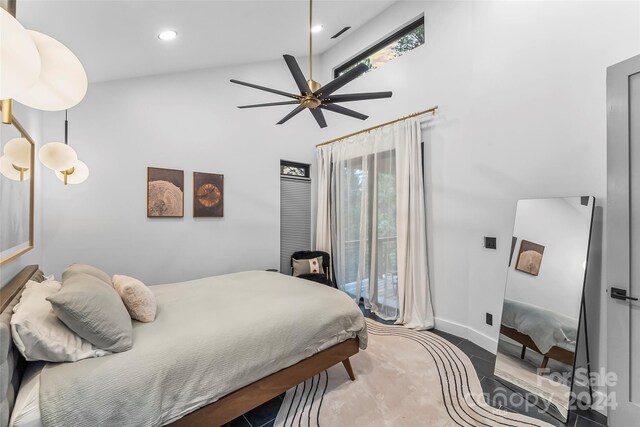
{"type": "Point", "coordinates": [208, 195]}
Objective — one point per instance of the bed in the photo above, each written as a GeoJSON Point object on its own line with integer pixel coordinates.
{"type": "Point", "coordinates": [548, 333]}
{"type": "Point", "coordinates": [219, 347]}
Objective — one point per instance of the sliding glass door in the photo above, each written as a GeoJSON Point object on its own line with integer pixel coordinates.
{"type": "Point", "coordinates": [365, 244]}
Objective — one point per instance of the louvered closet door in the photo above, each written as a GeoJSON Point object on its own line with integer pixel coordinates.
{"type": "Point", "coordinates": [295, 219]}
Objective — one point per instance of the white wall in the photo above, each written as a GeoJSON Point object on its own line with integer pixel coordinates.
{"type": "Point", "coordinates": [185, 121]}
{"type": "Point", "coordinates": [31, 120]}
{"type": "Point", "coordinates": [521, 90]}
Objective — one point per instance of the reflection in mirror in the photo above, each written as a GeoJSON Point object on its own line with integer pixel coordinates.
{"type": "Point", "coordinates": [543, 297]}
{"type": "Point", "coordinates": [16, 191]}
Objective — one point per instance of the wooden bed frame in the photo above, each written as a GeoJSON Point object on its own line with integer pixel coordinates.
{"type": "Point", "coordinates": [243, 400]}
{"type": "Point", "coordinates": [557, 353]}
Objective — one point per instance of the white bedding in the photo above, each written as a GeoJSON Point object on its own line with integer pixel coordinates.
{"type": "Point", "coordinates": [211, 336]}
{"type": "Point", "coordinates": [26, 410]}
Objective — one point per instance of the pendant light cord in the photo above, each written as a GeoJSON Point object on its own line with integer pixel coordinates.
{"type": "Point", "coordinates": [310, 40]}
{"type": "Point", "coordinates": [66, 128]}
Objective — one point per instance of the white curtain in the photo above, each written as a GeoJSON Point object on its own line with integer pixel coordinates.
{"type": "Point", "coordinates": [373, 185]}
{"type": "Point", "coordinates": [416, 310]}
{"type": "Point", "coordinates": [323, 222]}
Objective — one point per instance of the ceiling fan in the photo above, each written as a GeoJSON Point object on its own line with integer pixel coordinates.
{"type": "Point", "coordinates": [314, 96]}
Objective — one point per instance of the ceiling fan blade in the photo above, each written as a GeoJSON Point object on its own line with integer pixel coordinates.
{"type": "Point", "coordinates": [346, 111]}
{"type": "Point", "coordinates": [356, 97]}
{"type": "Point", "coordinates": [297, 74]}
{"type": "Point", "coordinates": [291, 114]}
{"type": "Point", "coordinates": [340, 81]}
{"type": "Point", "coordinates": [317, 114]}
{"type": "Point", "coordinates": [277, 92]}
{"type": "Point", "coordinates": [269, 104]}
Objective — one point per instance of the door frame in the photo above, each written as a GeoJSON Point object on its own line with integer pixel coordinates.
{"type": "Point", "coordinates": [618, 236]}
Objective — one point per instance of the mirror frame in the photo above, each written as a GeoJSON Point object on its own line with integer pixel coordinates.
{"type": "Point", "coordinates": [32, 174]}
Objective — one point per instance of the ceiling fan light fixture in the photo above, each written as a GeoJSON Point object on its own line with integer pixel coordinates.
{"type": "Point", "coordinates": [310, 102]}
{"type": "Point", "coordinates": [316, 28]}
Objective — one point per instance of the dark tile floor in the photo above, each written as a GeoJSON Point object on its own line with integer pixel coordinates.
{"type": "Point", "coordinates": [497, 394]}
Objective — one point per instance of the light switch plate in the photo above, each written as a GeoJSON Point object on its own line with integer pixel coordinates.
{"type": "Point", "coordinates": [490, 242]}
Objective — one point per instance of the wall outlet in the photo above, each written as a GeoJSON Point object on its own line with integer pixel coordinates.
{"type": "Point", "coordinates": [490, 242]}
{"type": "Point", "coordinates": [489, 319]}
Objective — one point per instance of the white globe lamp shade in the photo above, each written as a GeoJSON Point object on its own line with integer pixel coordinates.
{"type": "Point", "coordinates": [78, 176]}
{"type": "Point", "coordinates": [18, 150]}
{"type": "Point", "coordinates": [62, 82]}
{"type": "Point", "coordinates": [57, 156]}
{"type": "Point", "coordinates": [20, 59]}
{"type": "Point", "coordinates": [8, 170]}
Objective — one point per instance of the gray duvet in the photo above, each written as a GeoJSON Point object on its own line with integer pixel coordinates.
{"type": "Point", "coordinates": [546, 328]}
{"type": "Point", "coordinates": [211, 336]}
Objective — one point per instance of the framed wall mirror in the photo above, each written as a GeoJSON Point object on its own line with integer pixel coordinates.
{"type": "Point", "coordinates": [542, 308]}
{"type": "Point", "coordinates": [16, 191]}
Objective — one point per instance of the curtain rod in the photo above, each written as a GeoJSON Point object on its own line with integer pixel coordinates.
{"type": "Point", "coordinates": [419, 113]}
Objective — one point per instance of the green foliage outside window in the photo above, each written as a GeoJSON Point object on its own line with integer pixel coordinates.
{"type": "Point", "coordinates": [399, 47]}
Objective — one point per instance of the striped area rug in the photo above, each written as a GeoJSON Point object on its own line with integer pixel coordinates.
{"type": "Point", "coordinates": [404, 378]}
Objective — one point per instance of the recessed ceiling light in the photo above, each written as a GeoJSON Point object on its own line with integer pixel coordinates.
{"type": "Point", "coordinates": [316, 28]}
{"type": "Point", "coordinates": [167, 35]}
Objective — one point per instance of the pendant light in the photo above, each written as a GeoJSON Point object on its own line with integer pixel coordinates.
{"type": "Point", "coordinates": [37, 70]}
{"type": "Point", "coordinates": [63, 160]}
{"type": "Point", "coordinates": [18, 150]}
{"type": "Point", "coordinates": [20, 65]}
{"type": "Point", "coordinates": [75, 175]}
{"type": "Point", "coordinates": [11, 171]}
{"type": "Point", "coordinates": [16, 160]}
{"type": "Point", "coordinates": [62, 82]}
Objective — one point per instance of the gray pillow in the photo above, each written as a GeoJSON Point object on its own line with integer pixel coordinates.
{"type": "Point", "coordinates": [85, 269]}
{"type": "Point", "coordinates": [38, 276]}
{"type": "Point", "coordinates": [306, 266]}
{"type": "Point", "coordinates": [93, 310]}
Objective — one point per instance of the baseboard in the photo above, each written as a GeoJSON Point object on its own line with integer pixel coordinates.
{"type": "Point", "coordinates": [484, 341]}
{"type": "Point", "coordinates": [451, 327]}
{"type": "Point", "coordinates": [463, 331]}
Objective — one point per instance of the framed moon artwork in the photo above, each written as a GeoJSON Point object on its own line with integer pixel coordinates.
{"type": "Point", "coordinates": [165, 193]}
{"type": "Point", "coordinates": [208, 195]}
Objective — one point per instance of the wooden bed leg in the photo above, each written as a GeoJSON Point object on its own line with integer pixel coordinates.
{"type": "Point", "coordinates": [524, 351]}
{"type": "Point", "coordinates": [347, 365]}
{"type": "Point", "coordinates": [544, 363]}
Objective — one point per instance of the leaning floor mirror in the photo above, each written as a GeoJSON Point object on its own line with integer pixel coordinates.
{"type": "Point", "coordinates": [542, 307]}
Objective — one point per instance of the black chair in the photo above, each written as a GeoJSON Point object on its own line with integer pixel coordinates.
{"type": "Point", "coordinates": [324, 278]}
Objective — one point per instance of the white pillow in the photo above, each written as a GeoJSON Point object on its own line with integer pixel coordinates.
{"type": "Point", "coordinates": [137, 297]}
{"type": "Point", "coordinates": [39, 334]}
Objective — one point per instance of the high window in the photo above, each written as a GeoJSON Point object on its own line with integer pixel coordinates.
{"type": "Point", "coordinates": [294, 169]}
{"type": "Point", "coordinates": [397, 44]}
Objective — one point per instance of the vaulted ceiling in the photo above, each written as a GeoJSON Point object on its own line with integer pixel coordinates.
{"type": "Point", "coordinates": [119, 39]}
